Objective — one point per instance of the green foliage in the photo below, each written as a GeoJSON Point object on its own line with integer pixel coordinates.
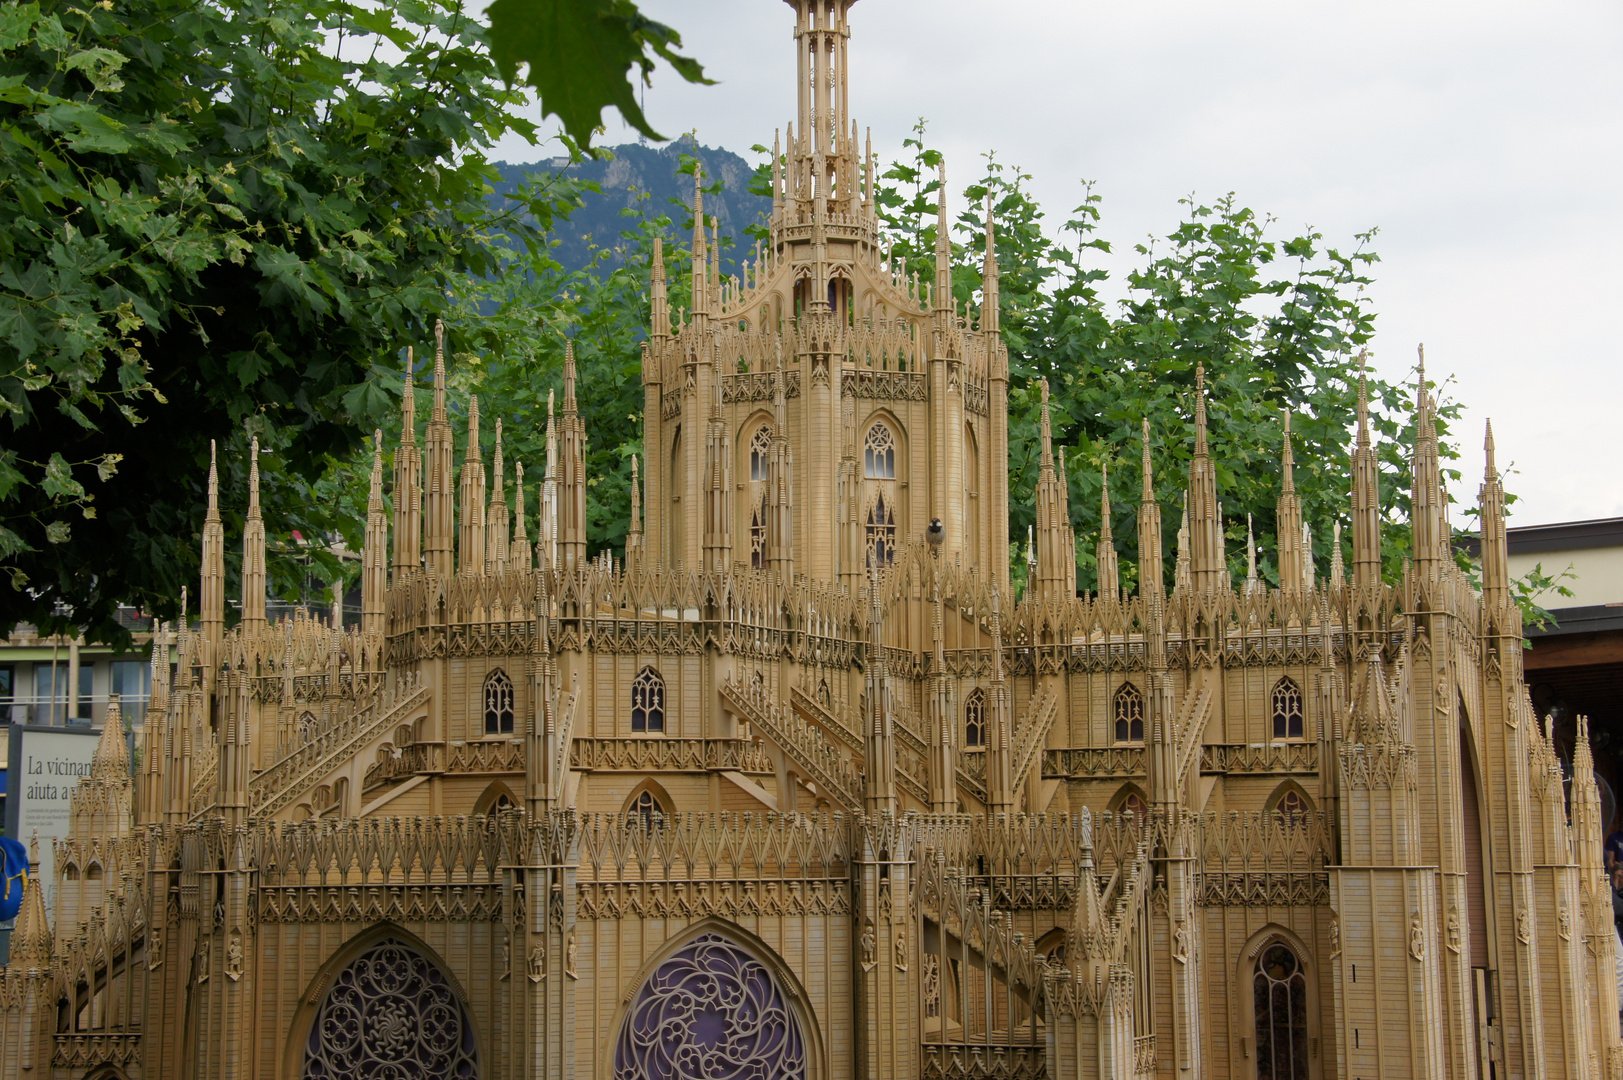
{"type": "Point", "coordinates": [577, 54]}
{"type": "Point", "coordinates": [216, 218]}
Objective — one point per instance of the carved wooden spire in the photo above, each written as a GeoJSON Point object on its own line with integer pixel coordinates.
{"type": "Point", "coordinates": [1151, 571]}
{"type": "Point", "coordinates": [518, 557]}
{"type": "Point", "coordinates": [471, 497]}
{"type": "Point", "coordinates": [571, 473]}
{"type": "Point", "coordinates": [1288, 523]}
{"type": "Point", "coordinates": [990, 320]}
{"type": "Point", "coordinates": [408, 483]}
{"type": "Point", "coordinates": [374, 569]}
{"type": "Point", "coordinates": [497, 524]}
{"type": "Point", "coordinates": [253, 549]}
{"type": "Point", "coordinates": [1207, 568]}
{"type": "Point", "coordinates": [440, 510]}
{"type": "Point", "coordinates": [1109, 570]}
{"type": "Point", "coordinates": [212, 590]}
{"type": "Point", "coordinates": [1427, 513]}
{"type": "Point", "coordinates": [1495, 551]}
{"type": "Point", "coordinates": [1366, 494]}
{"type": "Point", "coordinates": [634, 538]}
{"type": "Point", "coordinates": [1054, 538]}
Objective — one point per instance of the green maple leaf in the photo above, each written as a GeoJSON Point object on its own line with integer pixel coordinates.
{"type": "Point", "coordinates": [578, 55]}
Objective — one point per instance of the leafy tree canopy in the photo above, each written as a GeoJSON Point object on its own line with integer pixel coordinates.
{"type": "Point", "coordinates": [216, 218]}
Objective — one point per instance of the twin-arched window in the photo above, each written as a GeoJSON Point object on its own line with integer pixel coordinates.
{"type": "Point", "coordinates": [648, 701]}
{"type": "Point", "coordinates": [975, 718]}
{"type": "Point", "coordinates": [1287, 710]}
{"type": "Point", "coordinates": [879, 453]}
{"type": "Point", "coordinates": [1129, 711]}
{"type": "Point", "coordinates": [647, 809]}
{"type": "Point", "coordinates": [498, 703]}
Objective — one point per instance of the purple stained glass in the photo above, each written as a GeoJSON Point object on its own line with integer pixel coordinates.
{"type": "Point", "coordinates": [710, 1012]}
{"type": "Point", "coordinates": [390, 1015]}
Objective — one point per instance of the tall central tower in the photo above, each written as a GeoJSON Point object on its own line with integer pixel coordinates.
{"type": "Point", "coordinates": [888, 393]}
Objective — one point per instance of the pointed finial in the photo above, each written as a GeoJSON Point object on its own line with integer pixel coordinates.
{"type": "Point", "coordinates": [1104, 500]}
{"type": "Point", "coordinates": [1200, 408]}
{"type": "Point", "coordinates": [1363, 398]}
{"type": "Point", "coordinates": [1250, 552]}
{"type": "Point", "coordinates": [1338, 572]}
{"type": "Point", "coordinates": [1490, 469]}
{"type": "Point", "coordinates": [214, 485]}
{"type": "Point", "coordinates": [253, 479]}
{"type": "Point", "coordinates": [518, 499]}
{"type": "Point", "coordinates": [569, 377]}
{"type": "Point", "coordinates": [473, 427]}
{"type": "Point", "coordinates": [1288, 459]}
{"type": "Point", "coordinates": [1149, 472]}
{"type": "Point", "coordinates": [439, 369]}
{"type": "Point", "coordinates": [408, 402]}
{"type": "Point", "coordinates": [498, 463]}
{"type": "Point", "coordinates": [1047, 427]}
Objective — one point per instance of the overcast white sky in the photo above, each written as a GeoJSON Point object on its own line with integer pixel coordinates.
{"type": "Point", "coordinates": [1484, 139]}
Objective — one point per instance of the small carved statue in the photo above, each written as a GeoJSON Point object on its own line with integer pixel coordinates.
{"type": "Point", "coordinates": [1417, 937]}
{"type": "Point", "coordinates": [1453, 931]}
{"type": "Point", "coordinates": [901, 950]}
{"type": "Point", "coordinates": [154, 947]}
{"type": "Point", "coordinates": [205, 949]}
{"type": "Point", "coordinates": [1335, 937]}
{"type": "Point", "coordinates": [1563, 924]}
{"type": "Point", "coordinates": [1180, 943]}
{"type": "Point", "coordinates": [571, 953]}
{"type": "Point", "coordinates": [538, 961]}
{"type": "Point", "coordinates": [233, 956]}
{"type": "Point", "coordinates": [507, 960]}
{"type": "Point", "coordinates": [1524, 926]}
{"type": "Point", "coordinates": [869, 946]}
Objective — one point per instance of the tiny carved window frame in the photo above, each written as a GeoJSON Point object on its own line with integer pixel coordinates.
{"type": "Point", "coordinates": [975, 720]}
{"type": "Point", "coordinates": [1127, 713]}
{"type": "Point", "coordinates": [499, 714]}
{"type": "Point", "coordinates": [648, 703]}
{"type": "Point", "coordinates": [1289, 721]}
{"type": "Point", "coordinates": [879, 452]}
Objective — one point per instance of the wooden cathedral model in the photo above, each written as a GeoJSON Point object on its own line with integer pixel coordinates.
{"type": "Point", "coordinates": [801, 789]}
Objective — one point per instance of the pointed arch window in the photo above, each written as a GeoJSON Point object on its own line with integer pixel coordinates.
{"type": "Point", "coordinates": [307, 726]}
{"type": "Point", "coordinates": [498, 703]}
{"type": "Point", "coordinates": [647, 810]}
{"type": "Point", "coordinates": [1292, 806]}
{"type": "Point", "coordinates": [879, 453]}
{"type": "Point", "coordinates": [648, 701]}
{"type": "Point", "coordinates": [975, 718]}
{"type": "Point", "coordinates": [1279, 994]}
{"type": "Point", "coordinates": [760, 443]}
{"type": "Point", "coordinates": [1287, 710]}
{"type": "Point", "coordinates": [1128, 708]}
{"type": "Point", "coordinates": [881, 533]}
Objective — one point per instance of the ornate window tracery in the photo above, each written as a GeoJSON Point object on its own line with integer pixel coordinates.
{"type": "Point", "coordinates": [498, 703]}
{"type": "Point", "coordinates": [710, 1010]}
{"type": "Point", "coordinates": [646, 806]}
{"type": "Point", "coordinates": [760, 443]}
{"type": "Point", "coordinates": [1279, 991]}
{"type": "Point", "coordinates": [975, 718]}
{"type": "Point", "coordinates": [879, 453]}
{"type": "Point", "coordinates": [1128, 707]}
{"type": "Point", "coordinates": [307, 726]}
{"type": "Point", "coordinates": [1292, 806]}
{"type": "Point", "coordinates": [1287, 710]}
{"type": "Point", "coordinates": [648, 701]}
{"type": "Point", "coordinates": [881, 533]}
{"type": "Point", "coordinates": [391, 1012]}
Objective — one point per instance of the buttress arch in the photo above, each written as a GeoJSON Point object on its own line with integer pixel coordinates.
{"type": "Point", "coordinates": [793, 993]}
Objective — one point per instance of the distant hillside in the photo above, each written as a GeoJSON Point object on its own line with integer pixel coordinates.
{"type": "Point", "coordinates": [637, 168]}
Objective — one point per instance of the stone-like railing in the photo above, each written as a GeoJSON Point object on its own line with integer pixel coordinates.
{"type": "Point", "coordinates": [1260, 759]}
{"type": "Point", "coordinates": [1093, 763]}
{"type": "Point", "coordinates": [836, 725]}
{"type": "Point", "coordinates": [85, 1051]}
{"type": "Point", "coordinates": [333, 746]}
{"type": "Point", "coordinates": [800, 740]}
{"type": "Point", "coordinates": [647, 755]}
{"type": "Point", "coordinates": [1144, 1055]}
{"type": "Point", "coordinates": [983, 1061]}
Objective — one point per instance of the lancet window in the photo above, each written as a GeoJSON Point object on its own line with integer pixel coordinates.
{"type": "Point", "coordinates": [648, 701]}
{"type": "Point", "coordinates": [1287, 710]}
{"type": "Point", "coordinates": [1279, 991]}
{"type": "Point", "coordinates": [498, 703]}
{"type": "Point", "coordinates": [881, 533]}
{"type": "Point", "coordinates": [1129, 710]}
{"type": "Point", "coordinates": [760, 443]}
{"type": "Point", "coordinates": [975, 718]}
{"type": "Point", "coordinates": [879, 453]}
{"type": "Point", "coordinates": [1292, 805]}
